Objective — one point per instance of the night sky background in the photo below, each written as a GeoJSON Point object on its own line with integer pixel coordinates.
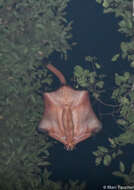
{"type": "Point", "coordinates": [96, 35]}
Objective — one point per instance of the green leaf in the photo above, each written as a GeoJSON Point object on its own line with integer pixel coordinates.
{"type": "Point", "coordinates": [107, 160]}
{"type": "Point", "coordinates": [130, 116]}
{"type": "Point", "coordinates": [118, 79]}
{"type": "Point", "coordinates": [98, 161]}
{"type": "Point", "coordinates": [33, 98]}
{"type": "Point", "coordinates": [131, 126]}
{"type": "Point", "coordinates": [26, 50]}
{"type": "Point", "coordinates": [97, 65]}
{"type": "Point", "coordinates": [102, 149]}
{"type": "Point", "coordinates": [105, 4]}
{"type": "Point", "coordinates": [115, 93]}
{"type": "Point", "coordinates": [122, 167]}
{"type": "Point", "coordinates": [96, 153]}
{"type": "Point", "coordinates": [121, 122]}
{"type": "Point", "coordinates": [100, 84]}
{"type": "Point", "coordinates": [125, 100]}
{"type": "Point", "coordinates": [119, 174]}
{"type": "Point", "coordinates": [126, 76]}
{"type": "Point", "coordinates": [112, 142]}
{"type": "Point", "coordinates": [78, 71]}
{"type": "Point", "coordinates": [99, 1]}
{"type": "Point", "coordinates": [124, 110]}
{"type": "Point", "coordinates": [92, 80]}
{"type": "Point", "coordinates": [90, 59]}
{"type": "Point", "coordinates": [132, 64]}
{"type": "Point", "coordinates": [131, 94]}
{"type": "Point", "coordinates": [115, 57]}
{"type": "Point", "coordinates": [40, 26]}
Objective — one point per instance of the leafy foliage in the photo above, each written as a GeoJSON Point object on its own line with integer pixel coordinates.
{"type": "Point", "coordinates": [122, 93]}
{"type": "Point", "coordinates": [123, 10]}
{"type": "Point", "coordinates": [128, 178]}
{"type": "Point", "coordinates": [106, 155]}
{"type": "Point", "coordinates": [29, 31]}
{"type": "Point", "coordinates": [89, 78]}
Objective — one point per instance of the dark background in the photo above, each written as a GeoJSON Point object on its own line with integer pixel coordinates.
{"type": "Point", "coordinates": [96, 35]}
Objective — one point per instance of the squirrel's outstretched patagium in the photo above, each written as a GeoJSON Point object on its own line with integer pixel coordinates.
{"type": "Point", "coordinates": [68, 116]}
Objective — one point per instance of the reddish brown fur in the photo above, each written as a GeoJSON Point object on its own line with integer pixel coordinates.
{"type": "Point", "coordinates": [57, 73]}
{"type": "Point", "coordinates": [68, 115]}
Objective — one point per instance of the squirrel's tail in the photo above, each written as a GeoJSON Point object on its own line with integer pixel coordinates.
{"type": "Point", "coordinates": [57, 73]}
